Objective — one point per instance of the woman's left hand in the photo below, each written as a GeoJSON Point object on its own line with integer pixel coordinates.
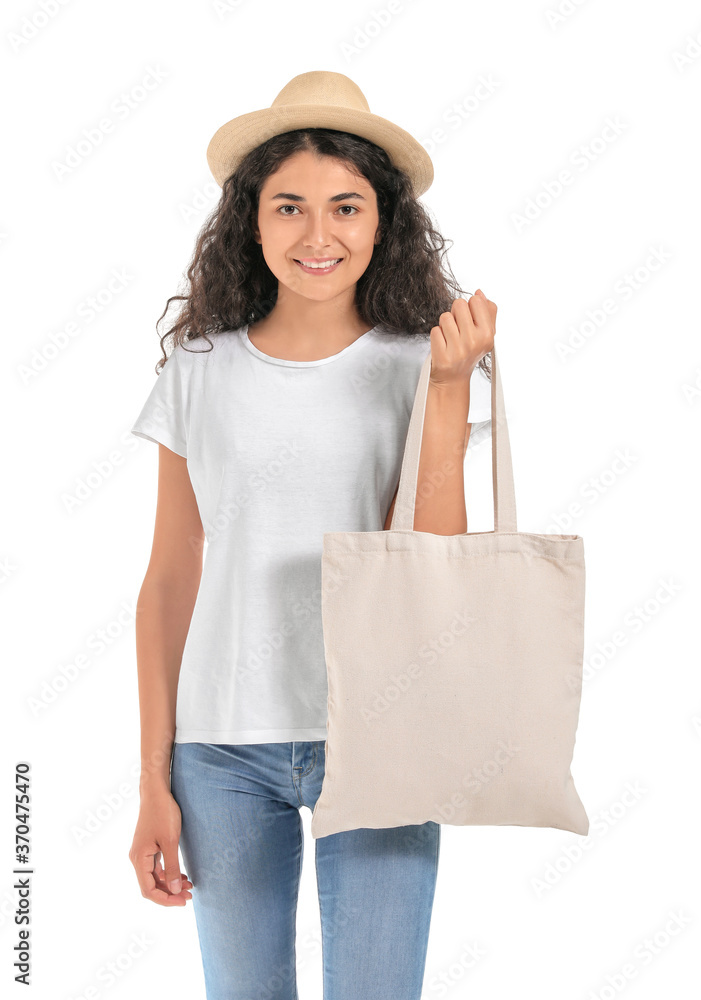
{"type": "Point", "coordinates": [463, 337]}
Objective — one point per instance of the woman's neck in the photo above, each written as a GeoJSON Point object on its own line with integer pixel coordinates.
{"type": "Point", "coordinates": [295, 342]}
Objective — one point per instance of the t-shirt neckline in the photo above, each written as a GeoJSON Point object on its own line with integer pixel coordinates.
{"type": "Point", "coordinates": [300, 364]}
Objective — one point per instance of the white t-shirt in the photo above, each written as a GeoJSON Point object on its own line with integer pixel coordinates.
{"type": "Point", "coordinates": [278, 453]}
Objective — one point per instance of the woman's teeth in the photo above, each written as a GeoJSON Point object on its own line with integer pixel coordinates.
{"type": "Point", "coordinates": [322, 265]}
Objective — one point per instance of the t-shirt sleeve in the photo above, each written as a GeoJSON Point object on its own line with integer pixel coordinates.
{"type": "Point", "coordinates": [480, 412]}
{"type": "Point", "coordinates": [162, 418]}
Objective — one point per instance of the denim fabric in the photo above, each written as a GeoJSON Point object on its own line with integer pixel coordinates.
{"type": "Point", "coordinates": [242, 845]}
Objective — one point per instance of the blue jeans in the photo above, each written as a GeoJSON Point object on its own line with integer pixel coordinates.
{"type": "Point", "coordinates": [242, 844]}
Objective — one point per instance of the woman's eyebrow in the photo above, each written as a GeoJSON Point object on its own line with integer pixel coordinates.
{"type": "Point", "coordinates": [284, 196]}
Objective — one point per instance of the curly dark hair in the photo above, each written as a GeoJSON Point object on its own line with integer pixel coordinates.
{"type": "Point", "coordinates": [404, 288]}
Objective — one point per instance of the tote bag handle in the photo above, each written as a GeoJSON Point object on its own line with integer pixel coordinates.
{"type": "Point", "coordinates": [502, 470]}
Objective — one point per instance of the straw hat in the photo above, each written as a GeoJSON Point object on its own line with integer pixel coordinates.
{"type": "Point", "coordinates": [324, 100]}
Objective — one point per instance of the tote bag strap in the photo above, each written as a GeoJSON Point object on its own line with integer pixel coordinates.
{"type": "Point", "coordinates": [502, 470]}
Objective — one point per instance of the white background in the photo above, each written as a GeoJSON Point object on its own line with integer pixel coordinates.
{"type": "Point", "coordinates": [79, 491]}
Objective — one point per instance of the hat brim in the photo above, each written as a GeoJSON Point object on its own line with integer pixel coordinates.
{"type": "Point", "coordinates": [236, 138]}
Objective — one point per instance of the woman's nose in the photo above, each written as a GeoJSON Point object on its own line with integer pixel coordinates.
{"type": "Point", "coordinates": [318, 229]}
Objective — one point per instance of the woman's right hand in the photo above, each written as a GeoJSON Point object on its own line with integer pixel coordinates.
{"type": "Point", "coordinates": [154, 850]}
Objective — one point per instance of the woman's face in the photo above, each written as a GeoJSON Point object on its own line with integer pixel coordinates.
{"type": "Point", "coordinates": [315, 207]}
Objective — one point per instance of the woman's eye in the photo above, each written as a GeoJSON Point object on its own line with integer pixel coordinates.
{"type": "Point", "coordinates": [353, 208]}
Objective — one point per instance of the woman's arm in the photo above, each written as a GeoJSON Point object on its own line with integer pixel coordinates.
{"type": "Point", "coordinates": [444, 505]}
{"type": "Point", "coordinates": [459, 342]}
{"type": "Point", "coordinates": [440, 492]}
{"type": "Point", "coordinates": [163, 613]}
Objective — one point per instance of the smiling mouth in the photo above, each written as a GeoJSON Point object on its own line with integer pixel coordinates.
{"type": "Point", "coordinates": [320, 266]}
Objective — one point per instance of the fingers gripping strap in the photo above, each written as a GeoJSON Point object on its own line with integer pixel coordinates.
{"type": "Point", "coordinates": [502, 470]}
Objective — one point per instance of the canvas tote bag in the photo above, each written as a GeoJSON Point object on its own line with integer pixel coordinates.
{"type": "Point", "coordinates": [454, 664]}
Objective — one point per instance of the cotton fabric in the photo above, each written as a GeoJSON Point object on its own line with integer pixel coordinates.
{"type": "Point", "coordinates": [454, 664]}
{"type": "Point", "coordinates": [279, 452]}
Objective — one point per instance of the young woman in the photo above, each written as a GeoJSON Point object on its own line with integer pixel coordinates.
{"type": "Point", "coordinates": [281, 413]}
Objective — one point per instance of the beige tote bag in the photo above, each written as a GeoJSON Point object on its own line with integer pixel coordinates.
{"type": "Point", "coordinates": [454, 664]}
